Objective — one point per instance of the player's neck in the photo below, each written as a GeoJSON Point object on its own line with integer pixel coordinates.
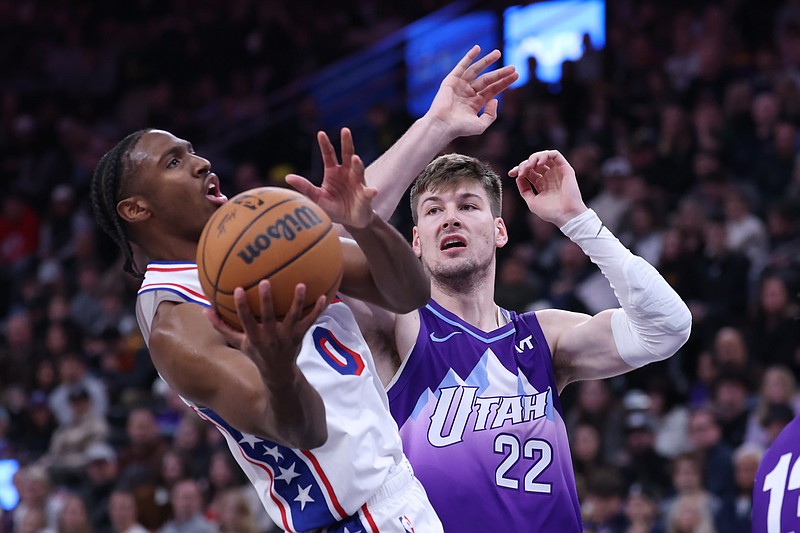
{"type": "Point", "coordinates": [167, 248]}
{"type": "Point", "coordinates": [476, 307]}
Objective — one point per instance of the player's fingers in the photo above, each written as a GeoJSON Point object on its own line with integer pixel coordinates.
{"type": "Point", "coordinates": [465, 61]}
{"type": "Point", "coordinates": [327, 150]}
{"type": "Point", "coordinates": [489, 113]}
{"type": "Point", "coordinates": [295, 312]}
{"type": "Point", "coordinates": [525, 187]}
{"type": "Point", "coordinates": [303, 186]}
{"type": "Point", "coordinates": [246, 318]}
{"type": "Point", "coordinates": [494, 85]}
{"type": "Point", "coordinates": [370, 192]}
{"type": "Point", "coordinates": [480, 65]}
{"type": "Point", "coordinates": [348, 148]}
{"type": "Point", "coordinates": [357, 168]}
{"type": "Point", "coordinates": [311, 317]}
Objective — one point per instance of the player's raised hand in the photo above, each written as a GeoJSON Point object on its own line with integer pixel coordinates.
{"type": "Point", "coordinates": [272, 344]}
{"type": "Point", "coordinates": [466, 90]}
{"type": "Point", "coordinates": [548, 185]}
{"type": "Point", "coordinates": [344, 194]}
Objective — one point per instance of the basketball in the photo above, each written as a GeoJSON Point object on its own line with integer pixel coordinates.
{"type": "Point", "coordinates": [268, 233]}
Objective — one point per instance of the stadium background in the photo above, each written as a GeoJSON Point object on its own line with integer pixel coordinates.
{"type": "Point", "coordinates": [683, 132]}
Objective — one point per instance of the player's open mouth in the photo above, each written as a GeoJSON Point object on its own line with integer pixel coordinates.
{"type": "Point", "coordinates": [452, 241]}
{"type": "Point", "coordinates": [213, 191]}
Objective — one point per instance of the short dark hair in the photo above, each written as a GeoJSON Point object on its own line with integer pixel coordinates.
{"type": "Point", "coordinates": [448, 170]}
{"type": "Point", "coordinates": [109, 183]}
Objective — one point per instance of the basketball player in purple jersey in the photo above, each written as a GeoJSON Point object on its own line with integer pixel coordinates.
{"type": "Point", "coordinates": [776, 494]}
{"type": "Point", "coordinates": [475, 388]}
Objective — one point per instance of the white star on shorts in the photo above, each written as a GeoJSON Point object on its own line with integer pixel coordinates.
{"type": "Point", "coordinates": [303, 497]}
{"type": "Point", "coordinates": [287, 474]}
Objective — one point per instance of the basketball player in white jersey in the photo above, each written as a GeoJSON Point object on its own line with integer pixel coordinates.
{"type": "Point", "coordinates": [299, 401]}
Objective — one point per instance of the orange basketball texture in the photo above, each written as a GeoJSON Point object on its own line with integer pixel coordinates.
{"type": "Point", "coordinates": [268, 233]}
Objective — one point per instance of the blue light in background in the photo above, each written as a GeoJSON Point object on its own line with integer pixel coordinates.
{"type": "Point", "coordinates": [552, 32]}
{"type": "Point", "coordinates": [8, 492]}
{"type": "Point", "coordinates": [435, 46]}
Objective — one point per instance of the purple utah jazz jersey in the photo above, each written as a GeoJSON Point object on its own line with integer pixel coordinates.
{"type": "Point", "coordinates": [481, 423]}
{"type": "Point", "coordinates": [776, 494]}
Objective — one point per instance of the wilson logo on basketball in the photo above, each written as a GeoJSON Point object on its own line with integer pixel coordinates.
{"type": "Point", "coordinates": [286, 228]}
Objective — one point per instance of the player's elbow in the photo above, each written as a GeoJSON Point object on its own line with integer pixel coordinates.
{"type": "Point", "coordinates": [680, 327]}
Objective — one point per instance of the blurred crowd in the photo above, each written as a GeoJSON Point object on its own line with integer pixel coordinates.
{"type": "Point", "coordinates": [683, 132]}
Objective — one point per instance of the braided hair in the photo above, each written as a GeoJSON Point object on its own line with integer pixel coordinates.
{"type": "Point", "coordinates": [109, 183]}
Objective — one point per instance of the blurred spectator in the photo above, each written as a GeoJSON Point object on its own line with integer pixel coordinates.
{"type": "Point", "coordinates": [223, 474]}
{"type": "Point", "coordinates": [731, 404]}
{"type": "Point", "coordinates": [190, 443]}
{"type": "Point", "coordinates": [74, 517]}
{"type": "Point", "coordinates": [595, 404]}
{"type": "Point", "coordinates": [731, 352]}
{"type": "Point", "coordinates": [539, 250]}
{"type": "Point", "coordinates": [778, 387]}
{"type": "Point", "coordinates": [704, 376]}
{"type": "Point", "coordinates": [85, 305]}
{"type": "Point", "coordinates": [66, 227]}
{"type": "Point", "coordinates": [19, 352]}
{"type": "Point", "coordinates": [690, 514]}
{"type": "Point", "coordinates": [187, 509]}
{"type": "Point", "coordinates": [603, 509]}
{"type": "Point", "coordinates": [35, 495]}
{"type": "Point", "coordinates": [778, 416]}
{"type": "Point", "coordinates": [235, 514]}
{"type": "Point", "coordinates": [122, 512]}
{"type": "Point", "coordinates": [746, 232]}
{"type": "Point", "coordinates": [640, 463]}
{"type": "Point", "coordinates": [687, 480]}
{"type": "Point", "coordinates": [705, 436]}
{"type": "Point", "coordinates": [783, 227]}
{"type": "Point", "coordinates": [19, 239]}
{"type": "Point", "coordinates": [587, 454]}
{"type": "Point", "coordinates": [101, 477]}
{"type": "Point", "coordinates": [734, 516]}
{"type": "Point", "coordinates": [613, 203]}
{"type": "Point", "coordinates": [74, 374]}
{"type": "Point", "coordinates": [516, 289]}
{"type": "Point", "coordinates": [124, 367]}
{"type": "Point", "coordinates": [642, 512]}
{"type": "Point", "coordinates": [669, 414]}
{"type": "Point", "coordinates": [153, 495]}
{"type": "Point", "coordinates": [66, 456]}
{"type": "Point", "coordinates": [140, 457]}
{"type": "Point", "coordinates": [34, 428]}
{"type": "Point", "coordinates": [773, 332]}
{"type": "Point", "coordinates": [722, 280]}
{"type": "Point", "coordinates": [644, 237]}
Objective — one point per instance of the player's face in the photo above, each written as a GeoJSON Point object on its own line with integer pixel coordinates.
{"type": "Point", "coordinates": [176, 184]}
{"type": "Point", "coordinates": [456, 233]}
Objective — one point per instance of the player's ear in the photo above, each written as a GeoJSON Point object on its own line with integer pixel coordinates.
{"type": "Point", "coordinates": [415, 242]}
{"type": "Point", "coordinates": [500, 232]}
{"type": "Point", "coordinates": [133, 209]}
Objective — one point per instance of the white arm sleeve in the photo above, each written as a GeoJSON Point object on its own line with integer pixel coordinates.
{"type": "Point", "coordinates": [654, 322]}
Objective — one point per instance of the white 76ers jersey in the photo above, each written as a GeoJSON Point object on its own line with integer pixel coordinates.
{"type": "Point", "coordinates": [305, 489]}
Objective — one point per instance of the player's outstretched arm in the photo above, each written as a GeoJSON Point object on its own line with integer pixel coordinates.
{"type": "Point", "coordinates": [653, 322]}
{"type": "Point", "coordinates": [382, 268]}
{"type": "Point", "coordinates": [456, 111]}
{"type": "Point", "coordinates": [249, 377]}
